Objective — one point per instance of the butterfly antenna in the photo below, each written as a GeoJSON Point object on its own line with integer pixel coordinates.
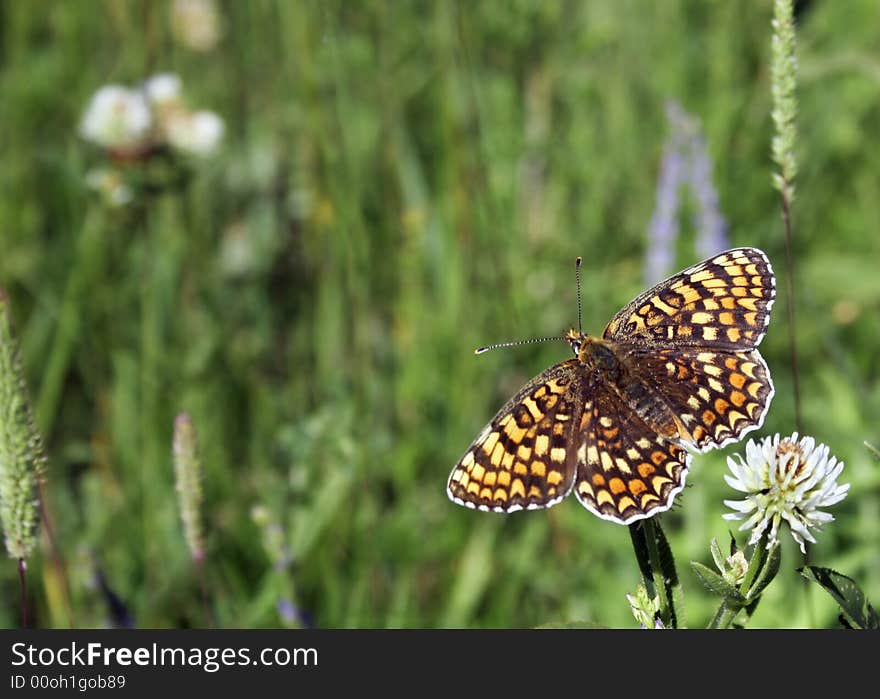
{"type": "Point", "coordinates": [577, 276]}
{"type": "Point", "coordinates": [480, 350]}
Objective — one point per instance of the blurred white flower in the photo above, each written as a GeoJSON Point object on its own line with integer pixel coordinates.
{"type": "Point", "coordinates": [117, 118]}
{"type": "Point", "coordinates": [196, 23]}
{"type": "Point", "coordinates": [110, 185]}
{"type": "Point", "coordinates": [163, 89]}
{"type": "Point", "coordinates": [198, 133]}
{"type": "Point", "coordinates": [135, 124]}
{"type": "Point", "coordinates": [784, 479]}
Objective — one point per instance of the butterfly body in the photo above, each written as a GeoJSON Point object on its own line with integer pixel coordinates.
{"type": "Point", "coordinates": [675, 369]}
{"type": "Point", "coordinates": [596, 354]}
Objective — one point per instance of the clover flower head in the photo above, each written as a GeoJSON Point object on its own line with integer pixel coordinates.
{"type": "Point", "coordinates": [163, 89]}
{"type": "Point", "coordinates": [784, 479]}
{"type": "Point", "coordinates": [196, 23]}
{"type": "Point", "coordinates": [117, 118]}
{"type": "Point", "coordinates": [197, 133]}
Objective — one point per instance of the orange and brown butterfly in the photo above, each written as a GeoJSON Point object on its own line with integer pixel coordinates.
{"type": "Point", "coordinates": [676, 369]}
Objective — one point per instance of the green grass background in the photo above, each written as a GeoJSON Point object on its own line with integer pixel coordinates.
{"type": "Point", "coordinates": [399, 183]}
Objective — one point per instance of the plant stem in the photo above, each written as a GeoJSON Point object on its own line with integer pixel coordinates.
{"type": "Point", "coordinates": [203, 586]}
{"type": "Point", "coordinates": [727, 612]}
{"type": "Point", "coordinates": [789, 290]}
{"type": "Point", "coordinates": [57, 562]}
{"type": "Point", "coordinates": [22, 567]}
{"type": "Point", "coordinates": [783, 80]}
{"type": "Point", "coordinates": [646, 535]}
{"type": "Point", "coordinates": [643, 557]}
{"type": "Point", "coordinates": [667, 613]}
{"type": "Point", "coordinates": [724, 616]}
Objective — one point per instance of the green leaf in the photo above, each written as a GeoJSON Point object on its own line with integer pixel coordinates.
{"type": "Point", "coordinates": [846, 593]}
{"type": "Point", "coordinates": [756, 564]}
{"type": "Point", "coordinates": [751, 607]}
{"type": "Point", "coordinates": [766, 574]}
{"type": "Point", "coordinates": [715, 583]}
{"type": "Point", "coordinates": [717, 555]}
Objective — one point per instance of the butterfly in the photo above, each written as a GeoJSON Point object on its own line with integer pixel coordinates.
{"type": "Point", "coordinates": [676, 370]}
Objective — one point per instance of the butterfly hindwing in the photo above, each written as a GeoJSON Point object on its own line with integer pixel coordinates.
{"type": "Point", "coordinates": [716, 396]}
{"type": "Point", "coordinates": [522, 459]}
{"type": "Point", "coordinates": [626, 471]}
{"type": "Point", "coordinates": [721, 303]}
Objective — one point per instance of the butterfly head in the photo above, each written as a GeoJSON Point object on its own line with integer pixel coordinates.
{"type": "Point", "coordinates": [577, 340]}
{"type": "Point", "coordinates": [594, 352]}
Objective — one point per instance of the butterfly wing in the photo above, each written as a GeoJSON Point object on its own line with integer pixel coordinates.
{"type": "Point", "coordinates": [715, 396]}
{"type": "Point", "coordinates": [721, 303]}
{"type": "Point", "coordinates": [626, 470]}
{"type": "Point", "coordinates": [521, 459]}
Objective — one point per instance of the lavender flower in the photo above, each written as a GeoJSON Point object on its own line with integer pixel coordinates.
{"type": "Point", "coordinates": [709, 224]}
{"type": "Point", "coordinates": [663, 229]}
{"type": "Point", "coordinates": [685, 162]}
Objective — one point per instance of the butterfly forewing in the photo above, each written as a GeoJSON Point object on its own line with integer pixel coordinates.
{"type": "Point", "coordinates": [522, 459]}
{"type": "Point", "coordinates": [721, 303]}
{"type": "Point", "coordinates": [626, 471]}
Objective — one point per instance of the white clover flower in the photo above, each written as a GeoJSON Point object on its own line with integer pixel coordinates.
{"type": "Point", "coordinates": [784, 479]}
{"type": "Point", "coordinates": [197, 133]}
{"type": "Point", "coordinates": [117, 118]}
{"type": "Point", "coordinates": [163, 89]}
{"type": "Point", "coordinates": [196, 23]}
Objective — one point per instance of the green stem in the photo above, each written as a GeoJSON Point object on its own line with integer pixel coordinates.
{"type": "Point", "coordinates": [658, 571]}
{"type": "Point", "coordinates": [22, 567]}
{"type": "Point", "coordinates": [667, 611]}
{"type": "Point", "coordinates": [203, 585]}
{"type": "Point", "coordinates": [724, 616]}
{"type": "Point", "coordinates": [789, 307]}
{"type": "Point", "coordinates": [643, 557]}
{"type": "Point", "coordinates": [727, 611]}
{"type": "Point", "coordinates": [86, 266]}
{"type": "Point", "coordinates": [147, 388]}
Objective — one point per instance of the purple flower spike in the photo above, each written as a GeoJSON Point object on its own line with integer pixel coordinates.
{"type": "Point", "coordinates": [685, 162]}
{"type": "Point", "coordinates": [663, 229]}
{"type": "Point", "coordinates": [709, 224]}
